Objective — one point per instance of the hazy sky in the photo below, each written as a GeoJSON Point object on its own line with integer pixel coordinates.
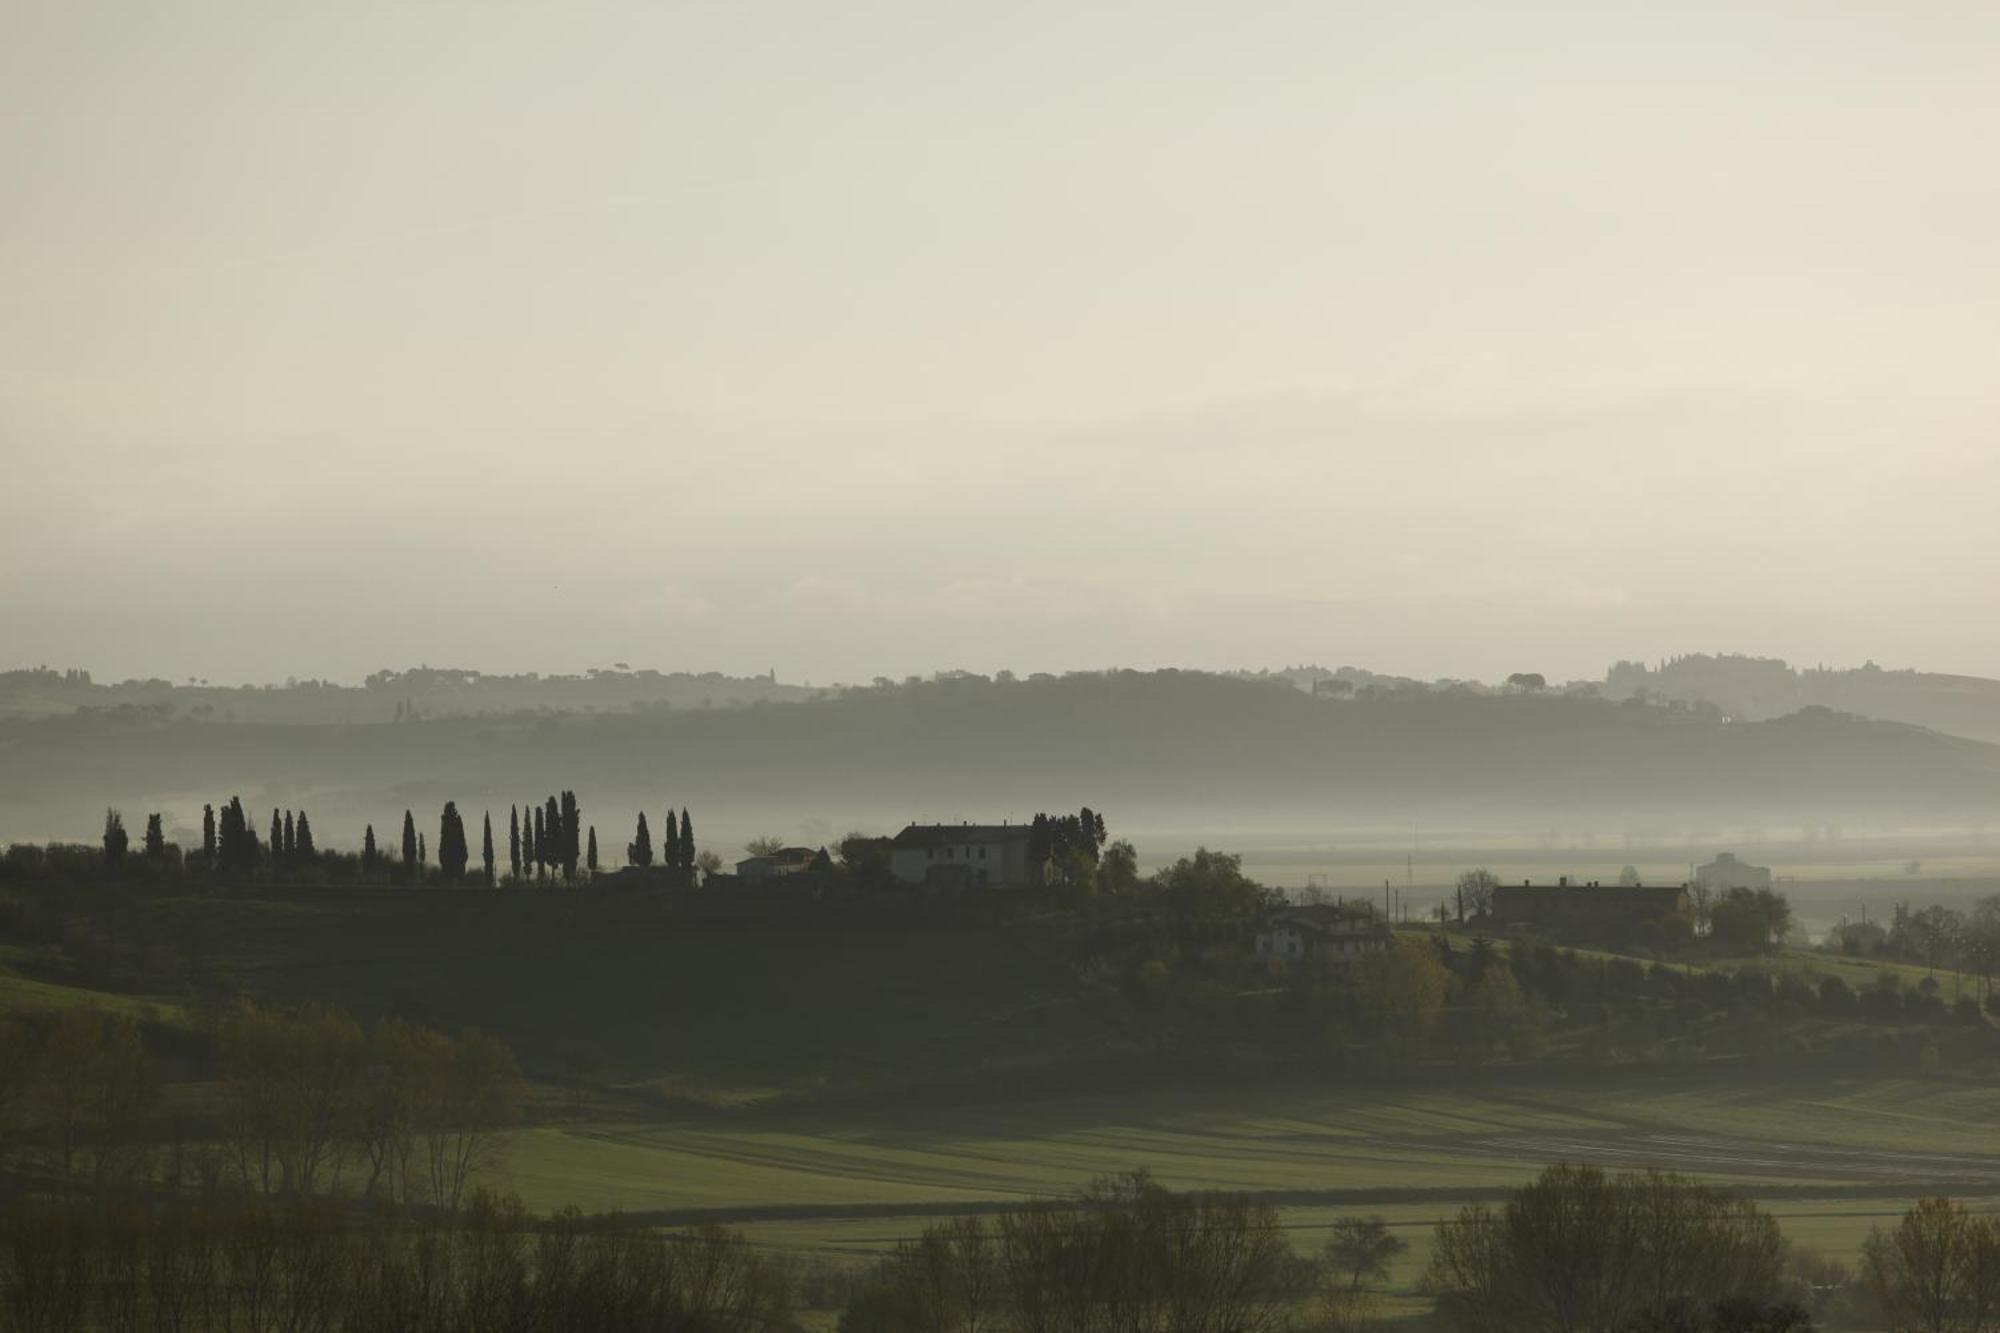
{"type": "Point", "coordinates": [872, 338]}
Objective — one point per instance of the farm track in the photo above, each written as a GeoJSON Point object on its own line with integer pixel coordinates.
{"type": "Point", "coordinates": [1815, 1172]}
{"type": "Point", "coordinates": [1717, 1155]}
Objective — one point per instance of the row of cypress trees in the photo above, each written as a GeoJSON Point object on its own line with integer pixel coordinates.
{"type": "Point", "coordinates": [545, 840]}
{"type": "Point", "coordinates": [677, 851]}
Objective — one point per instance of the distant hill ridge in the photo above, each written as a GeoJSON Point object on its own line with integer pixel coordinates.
{"type": "Point", "coordinates": [1755, 688]}
{"type": "Point", "coordinates": [387, 696]}
{"type": "Point", "coordinates": [1163, 740]}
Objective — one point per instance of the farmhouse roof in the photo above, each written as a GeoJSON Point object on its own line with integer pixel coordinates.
{"type": "Point", "coordinates": [939, 835]}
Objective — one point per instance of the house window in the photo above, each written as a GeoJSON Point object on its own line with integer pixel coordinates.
{"type": "Point", "coordinates": [982, 853]}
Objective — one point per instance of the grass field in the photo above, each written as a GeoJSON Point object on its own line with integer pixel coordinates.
{"type": "Point", "coordinates": [19, 992]}
{"type": "Point", "coordinates": [843, 1189]}
{"type": "Point", "coordinates": [1829, 1136]}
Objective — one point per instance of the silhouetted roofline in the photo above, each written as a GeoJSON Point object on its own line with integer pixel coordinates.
{"type": "Point", "coordinates": [941, 835]}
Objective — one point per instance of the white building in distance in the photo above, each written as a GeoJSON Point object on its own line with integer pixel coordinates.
{"type": "Point", "coordinates": [964, 856]}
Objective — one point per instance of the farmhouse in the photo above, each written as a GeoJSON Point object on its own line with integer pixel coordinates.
{"type": "Point", "coordinates": [784, 861]}
{"type": "Point", "coordinates": [1320, 936]}
{"type": "Point", "coordinates": [978, 856]}
{"type": "Point", "coordinates": [1595, 911]}
{"type": "Point", "coordinates": [1725, 872]}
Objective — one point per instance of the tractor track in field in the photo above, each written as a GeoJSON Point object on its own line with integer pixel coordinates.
{"type": "Point", "coordinates": [1839, 1165]}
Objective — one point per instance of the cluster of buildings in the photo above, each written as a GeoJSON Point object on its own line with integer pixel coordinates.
{"type": "Point", "coordinates": [953, 858]}
{"type": "Point", "coordinates": [942, 857]}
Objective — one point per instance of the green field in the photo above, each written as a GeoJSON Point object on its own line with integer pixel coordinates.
{"type": "Point", "coordinates": [1844, 1142]}
{"type": "Point", "coordinates": [842, 1189]}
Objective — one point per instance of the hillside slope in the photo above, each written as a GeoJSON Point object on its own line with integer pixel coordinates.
{"type": "Point", "coordinates": [1166, 742]}
{"type": "Point", "coordinates": [1753, 688]}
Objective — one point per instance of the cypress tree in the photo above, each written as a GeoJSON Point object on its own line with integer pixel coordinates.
{"type": "Point", "coordinates": [687, 840]}
{"type": "Point", "coordinates": [277, 836]}
{"type": "Point", "coordinates": [541, 843]}
{"type": "Point", "coordinates": [238, 846]}
{"type": "Point", "coordinates": [670, 842]}
{"type": "Point", "coordinates": [590, 861]}
{"type": "Point", "coordinates": [411, 865]}
{"type": "Point", "coordinates": [552, 829]}
{"type": "Point", "coordinates": [640, 853]}
{"type": "Point", "coordinates": [115, 839]}
{"type": "Point", "coordinates": [306, 849]}
{"type": "Point", "coordinates": [486, 852]}
{"type": "Point", "coordinates": [368, 849]}
{"type": "Point", "coordinates": [156, 839]}
{"type": "Point", "coordinates": [208, 836]}
{"type": "Point", "coordinates": [572, 835]}
{"type": "Point", "coordinates": [453, 854]}
{"type": "Point", "coordinates": [238, 849]}
{"type": "Point", "coordinates": [291, 838]}
{"type": "Point", "coordinates": [514, 841]}
{"type": "Point", "coordinates": [423, 855]}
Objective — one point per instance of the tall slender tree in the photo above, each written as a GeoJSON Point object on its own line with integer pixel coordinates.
{"type": "Point", "coordinates": [486, 852]}
{"type": "Point", "coordinates": [412, 867]}
{"type": "Point", "coordinates": [116, 840]}
{"type": "Point", "coordinates": [277, 836]}
{"type": "Point", "coordinates": [453, 854]}
{"type": "Point", "coordinates": [687, 841]}
{"type": "Point", "coordinates": [552, 828]}
{"type": "Point", "coordinates": [156, 839]}
{"type": "Point", "coordinates": [572, 835]}
{"type": "Point", "coordinates": [208, 836]}
{"type": "Point", "coordinates": [640, 851]}
{"type": "Point", "coordinates": [590, 856]}
{"type": "Point", "coordinates": [514, 841]}
{"type": "Point", "coordinates": [368, 852]}
{"type": "Point", "coordinates": [670, 842]}
{"type": "Point", "coordinates": [291, 838]}
{"type": "Point", "coordinates": [306, 849]}
{"type": "Point", "coordinates": [541, 843]}
{"type": "Point", "coordinates": [423, 857]}
{"type": "Point", "coordinates": [237, 850]}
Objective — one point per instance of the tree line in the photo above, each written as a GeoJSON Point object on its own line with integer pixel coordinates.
{"type": "Point", "coordinates": [677, 851]}
{"type": "Point", "coordinates": [305, 1103]}
{"type": "Point", "coordinates": [1127, 1257]}
{"type": "Point", "coordinates": [547, 841]}
{"type": "Point", "coordinates": [312, 1266]}
{"type": "Point", "coordinates": [1578, 1249]}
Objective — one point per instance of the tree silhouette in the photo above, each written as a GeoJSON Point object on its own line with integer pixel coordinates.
{"type": "Point", "coordinates": [156, 839]}
{"type": "Point", "coordinates": [305, 833]}
{"type": "Point", "coordinates": [514, 841]}
{"type": "Point", "coordinates": [208, 836]}
{"type": "Point", "coordinates": [687, 841]}
{"type": "Point", "coordinates": [670, 842]}
{"type": "Point", "coordinates": [572, 834]}
{"type": "Point", "coordinates": [368, 852]}
{"type": "Point", "coordinates": [277, 836]}
{"type": "Point", "coordinates": [411, 865]}
{"type": "Point", "coordinates": [452, 851]}
{"type": "Point", "coordinates": [237, 850]}
{"type": "Point", "coordinates": [590, 856]}
{"type": "Point", "coordinates": [640, 851]}
{"type": "Point", "coordinates": [541, 843]}
{"type": "Point", "coordinates": [291, 838]}
{"type": "Point", "coordinates": [486, 851]}
{"type": "Point", "coordinates": [552, 828]}
{"type": "Point", "coordinates": [115, 839]}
